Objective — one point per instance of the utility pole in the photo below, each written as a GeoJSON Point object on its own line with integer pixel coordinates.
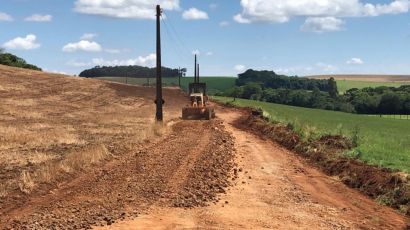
{"type": "Point", "coordinates": [159, 101]}
{"type": "Point", "coordinates": [179, 76]}
{"type": "Point", "coordinates": [197, 74]}
{"type": "Point", "coordinates": [195, 71]}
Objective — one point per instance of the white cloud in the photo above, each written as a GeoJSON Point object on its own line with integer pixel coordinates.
{"type": "Point", "coordinates": [78, 64]}
{"type": "Point", "coordinates": [149, 60]}
{"type": "Point", "coordinates": [88, 36]}
{"type": "Point", "coordinates": [5, 17]}
{"type": "Point", "coordinates": [322, 24]}
{"type": "Point", "coordinates": [239, 68]}
{"type": "Point", "coordinates": [83, 45]}
{"type": "Point", "coordinates": [280, 11]}
{"type": "Point", "coordinates": [327, 68]}
{"type": "Point", "coordinates": [26, 43]}
{"type": "Point", "coordinates": [209, 53]}
{"type": "Point", "coordinates": [224, 23]}
{"type": "Point", "coordinates": [194, 14]}
{"type": "Point", "coordinates": [196, 52]}
{"type": "Point", "coordinates": [39, 18]}
{"type": "Point", "coordinates": [139, 9]}
{"type": "Point", "coordinates": [238, 18]}
{"type": "Point", "coordinates": [355, 61]}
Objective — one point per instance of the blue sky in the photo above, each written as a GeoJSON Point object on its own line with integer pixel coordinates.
{"type": "Point", "coordinates": [295, 37]}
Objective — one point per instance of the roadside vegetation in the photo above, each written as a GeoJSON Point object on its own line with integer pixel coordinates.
{"type": "Point", "coordinates": [12, 60]}
{"type": "Point", "coordinates": [380, 142]}
{"type": "Point", "coordinates": [320, 94]}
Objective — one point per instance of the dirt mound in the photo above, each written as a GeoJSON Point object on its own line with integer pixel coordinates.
{"type": "Point", "coordinates": [78, 152]}
{"type": "Point", "coordinates": [212, 175]}
{"type": "Point", "coordinates": [383, 185]}
{"type": "Point", "coordinates": [164, 172]}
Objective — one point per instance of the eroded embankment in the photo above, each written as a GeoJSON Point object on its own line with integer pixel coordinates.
{"type": "Point", "coordinates": [387, 187]}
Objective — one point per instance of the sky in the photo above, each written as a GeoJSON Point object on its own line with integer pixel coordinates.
{"type": "Point", "coordinates": [292, 37]}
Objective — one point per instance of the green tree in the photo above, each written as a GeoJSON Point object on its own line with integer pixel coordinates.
{"type": "Point", "coordinates": [250, 89]}
{"type": "Point", "coordinates": [332, 87]}
{"type": "Point", "coordinates": [406, 107]}
{"type": "Point", "coordinates": [13, 60]}
{"type": "Point", "coordinates": [390, 103]}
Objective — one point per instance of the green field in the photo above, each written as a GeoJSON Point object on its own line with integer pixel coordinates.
{"type": "Point", "coordinates": [344, 85]}
{"type": "Point", "coordinates": [382, 142]}
{"type": "Point", "coordinates": [214, 84]}
{"type": "Point", "coordinates": [220, 84]}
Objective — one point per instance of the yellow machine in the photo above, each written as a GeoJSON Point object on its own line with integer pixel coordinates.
{"type": "Point", "coordinates": [198, 108]}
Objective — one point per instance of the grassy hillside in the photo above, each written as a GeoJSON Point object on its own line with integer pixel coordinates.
{"type": "Point", "coordinates": [383, 142]}
{"type": "Point", "coordinates": [214, 84]}
{"type": "Point", "coordinates": [344, 85]}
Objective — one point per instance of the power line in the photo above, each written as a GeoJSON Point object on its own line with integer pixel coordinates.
{"type": "Point", "coordinates": [176, 36]}
{"type": "Point", "coordinates": [177, 47]}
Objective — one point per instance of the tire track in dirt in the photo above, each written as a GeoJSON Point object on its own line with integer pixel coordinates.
{"type": "Point", "coordinates": [276, 190]}
{"type": "Point", "coordinates": [125, 186]}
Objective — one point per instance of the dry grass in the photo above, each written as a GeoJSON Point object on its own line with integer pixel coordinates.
{"type": "Point", "coordinates": [51, 125]}
{"type": "Point", "coordinates": [26, 182]}
{"type": "Point", "coordinates": [76, 161]}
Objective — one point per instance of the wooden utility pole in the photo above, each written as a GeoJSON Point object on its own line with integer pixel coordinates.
{"type": "Point", "coordinates": [179, 76]}
{"type": "Point", "coordinates": [195, 71]}
{"type": "Point", "coordinates": [159, 101]}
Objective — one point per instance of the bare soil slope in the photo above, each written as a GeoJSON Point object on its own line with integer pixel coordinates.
{"type": "Point", "coordinates": [80, 153]}
{"type": "Point", "coordinates": [51, 125]}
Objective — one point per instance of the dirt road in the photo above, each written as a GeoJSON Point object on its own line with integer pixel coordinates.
{"type": "Point", "coordinates": [79, 153]}
{"type": "Point", "coordinates": [275, 190]}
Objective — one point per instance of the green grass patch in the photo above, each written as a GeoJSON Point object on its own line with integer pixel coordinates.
{"type": "Point", "coordinates": [381, 142]}
{"type": "Point", "coordinates": [344, 85]}
{"type": "Point", "coordinates": [214, 84]}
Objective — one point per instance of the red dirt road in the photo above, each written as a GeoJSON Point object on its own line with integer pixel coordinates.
{"type": "Point", "coordinates": [275, 190]}
{"type": "Point", "coordinates": [146, 174]}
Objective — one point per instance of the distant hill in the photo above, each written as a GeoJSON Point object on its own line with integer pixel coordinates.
{"type": "Point", "coordinates": [365, 77]}
{"type": "Point", "coordinates": [127, 71]}
{"type": "Point", "coordinates": [12, 60]}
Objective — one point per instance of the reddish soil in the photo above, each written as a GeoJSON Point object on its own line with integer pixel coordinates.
{"type": "Point", "coordinates": [276, 189]}
{"type": "Point", "coordinates": [190, 175]}
{"type": "Point", "coordinates": [325, 153]}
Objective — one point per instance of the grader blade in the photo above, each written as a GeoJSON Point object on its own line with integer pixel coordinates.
{"type": "Point", "coordinates": [197, 113]}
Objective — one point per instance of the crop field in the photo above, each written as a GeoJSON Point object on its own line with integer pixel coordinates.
{"type": "Point", "coordinates": [344, 85]}
{"type": "Point", "coordinates": [368, 78]}
{"type": "Point", "coordinates": [214, 84]}
{"type": "Point", "coordinates": [382, 142]}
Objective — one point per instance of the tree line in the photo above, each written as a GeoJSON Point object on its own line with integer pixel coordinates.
{"type": "Point", "coordinates": [12, 60]}
{"type": "Point", "coordinates": [273, 88]}
{"type": "Point", "coordinates": [269, 79]}
{"type": "Point", "coordinates": [127, 71]}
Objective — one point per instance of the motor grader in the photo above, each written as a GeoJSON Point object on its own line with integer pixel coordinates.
{"type": "Point", "coordinates": [198, 109]}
